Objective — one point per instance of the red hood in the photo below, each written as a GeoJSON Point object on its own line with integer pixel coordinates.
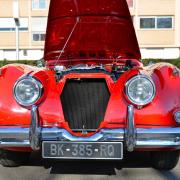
{"type": "Point", "coordinates": [89, 31]}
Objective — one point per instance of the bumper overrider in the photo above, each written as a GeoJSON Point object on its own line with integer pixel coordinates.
{"type": "Point", "coordinates": [133, 138]}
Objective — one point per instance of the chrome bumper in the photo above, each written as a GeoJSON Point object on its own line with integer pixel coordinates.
{"type": "Point", "coordinates": [133, 138]}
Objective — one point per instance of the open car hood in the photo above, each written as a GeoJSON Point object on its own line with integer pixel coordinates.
{"type": "Point", "coordinates": [89, 31]}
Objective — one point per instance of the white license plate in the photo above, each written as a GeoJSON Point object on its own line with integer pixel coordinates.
{"type": "Point", "coordinates": [82, 150]}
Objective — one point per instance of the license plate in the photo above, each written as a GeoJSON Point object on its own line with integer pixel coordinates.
{"type": "Point", "coordinates": [82, 150]}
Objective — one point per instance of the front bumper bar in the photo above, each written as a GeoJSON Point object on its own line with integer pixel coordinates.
{"type": "Point", "coordinates": [145, 138]}
{"type": "Point", "coordinates": [134, 138]}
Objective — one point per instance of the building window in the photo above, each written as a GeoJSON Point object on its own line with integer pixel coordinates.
{"type": "Point", "coordinates": [130, 3]}
{"type": "Point", "coordinates": [157, 22]}
{"type": "Point", "coordinates": [39, 28]}
{"type": "Point", "coordinates": [39, 4]}
{"type": "Point", "coordinates": [38, 36]}
{"type": "Point", "coordinates": [8, 24]}
{"type": "Point", "coordinates": [147, 23]}
{"type": "Point", "coordinates": [164, 22]}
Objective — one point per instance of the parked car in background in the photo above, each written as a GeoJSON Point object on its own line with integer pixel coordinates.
{"type": "Point", "coordinates": [93, 99]}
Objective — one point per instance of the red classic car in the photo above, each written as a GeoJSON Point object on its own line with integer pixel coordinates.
{"type": "Point", "coordinates": [93, 99]}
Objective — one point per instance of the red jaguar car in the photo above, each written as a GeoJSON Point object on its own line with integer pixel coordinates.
{"type": "Point", "coordinates": [93, 99]}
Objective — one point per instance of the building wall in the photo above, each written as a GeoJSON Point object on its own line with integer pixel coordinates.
{"type": "Point", "coordinates": [158, 43]}
{"type": "Point", "coordinates": [29, 49]}
{"type": "Point", "coordinates": [156, 7]}
{"type": "Point", "coordinates": [177, 23]}
{"type": "Point", "coordinates": [154, 43]}
{"type": "Point", "coordinates": [6, 8]}
{"type": "Point", "coordinates": [156, 38]}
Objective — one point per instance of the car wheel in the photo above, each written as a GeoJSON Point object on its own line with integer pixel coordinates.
{"type": "Point", "coordinates": [165, 160]}
{"type": "Point", "coordinates": [13, 159]}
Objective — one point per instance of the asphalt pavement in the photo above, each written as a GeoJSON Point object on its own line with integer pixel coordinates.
{"type": "Point", "coordinates": [135, 167]}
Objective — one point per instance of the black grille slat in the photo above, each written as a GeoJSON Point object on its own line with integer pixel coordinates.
{"type": "Point", "coordinates": [84, 102]}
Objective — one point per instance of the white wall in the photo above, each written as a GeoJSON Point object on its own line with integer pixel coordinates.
{"type": "Point", "coordinates": [160, 53]}
{"type": "Point", "coordinates": [154, 53]}
{"type": "Point", "coordinates": [31, 55]}
{"type": "Point", "coordinates": [1, 54]}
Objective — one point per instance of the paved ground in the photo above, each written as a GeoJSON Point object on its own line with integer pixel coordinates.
{"type": "Point", "coordinates": [136, 167]}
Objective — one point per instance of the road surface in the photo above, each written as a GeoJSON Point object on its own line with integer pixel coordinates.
{"type": "Point", "coordinates": [136, 167]}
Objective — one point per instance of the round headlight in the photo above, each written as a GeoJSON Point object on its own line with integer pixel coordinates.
{"type": "Point", "coordinates": [140, 90]}
{"type": "Point", "coordinates": [177, 116]}
{"type": "Point", "coordinates": [27, 91]}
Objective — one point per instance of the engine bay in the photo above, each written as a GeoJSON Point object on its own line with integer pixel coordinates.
{"type": "Point", "coordinates": [114, 70]}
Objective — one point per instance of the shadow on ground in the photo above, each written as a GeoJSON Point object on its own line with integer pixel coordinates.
{"type": "Point", "coordinates": [131, 160]}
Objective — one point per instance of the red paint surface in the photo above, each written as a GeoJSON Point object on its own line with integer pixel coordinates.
{"type": "Point", "coordinates": [158, 113]}
{"type": "Point", "coordinates": [91, 31]}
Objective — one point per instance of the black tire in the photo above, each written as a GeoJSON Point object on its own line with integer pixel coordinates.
{"type": "Point", "coordinates": [13, 159]}
{"type": "Point", "coordinates": [165, 160]}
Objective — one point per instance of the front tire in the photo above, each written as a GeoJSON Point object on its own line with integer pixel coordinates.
{"type": "Point", "coordinates": [165, 160]}
{"type": "Point", "coordinates": [13, 159]}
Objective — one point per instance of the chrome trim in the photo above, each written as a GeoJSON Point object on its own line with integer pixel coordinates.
{"type": "Point", "coordinates": [56, 134]}
{"type": "Point", "coordinates": [158, 144]}
{"type": "Point", "coordinates": [35, 130]}
{"type": "Point", "coordinates": [34, 80]}
{"type": "Point", "coordinates": [158, 138]}
{"type": "Point", "coordinates": [14, 137]}
{"type": "Point", "coordinates": [139, 77]}
{"type": "Point", "coordinates": [134, 138]}
{"type": "Point", "coordinates": [130, 133]}
{"type": "Point", "coordinates": [145, 138]}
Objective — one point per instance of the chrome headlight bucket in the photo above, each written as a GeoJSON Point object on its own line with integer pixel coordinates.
{"type": "Point", "coordinates": [27, 91]}
{"type": "Point", "coordinates": [140, 90]}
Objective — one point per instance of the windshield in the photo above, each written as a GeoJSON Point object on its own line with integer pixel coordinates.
{"type": "Point", "coordinates": [90, 38]}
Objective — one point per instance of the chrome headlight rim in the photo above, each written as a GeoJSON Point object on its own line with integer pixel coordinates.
{"type": "Point", "coordinates": [140, 76]}
{"type": "Point", "coordinates": [34, 80]}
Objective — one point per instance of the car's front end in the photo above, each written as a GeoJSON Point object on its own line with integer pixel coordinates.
{"type": "Point", "coordinates": [88, 114]}
{"type": "Point", "coordinates": [94, 99]}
